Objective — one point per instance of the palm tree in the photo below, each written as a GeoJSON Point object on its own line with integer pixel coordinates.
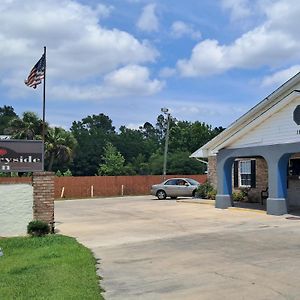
{"type": "Point", "coordinates": [29, 127]}
{"type": "Point", "coordinates": [59, 145]}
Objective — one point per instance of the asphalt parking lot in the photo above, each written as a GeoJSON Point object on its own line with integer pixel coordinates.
{"type": "Point", "coordinates": [150, 249]}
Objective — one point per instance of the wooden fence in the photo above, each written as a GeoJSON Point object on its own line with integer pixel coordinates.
{"type": "Point", "coordinates": [102, 186]}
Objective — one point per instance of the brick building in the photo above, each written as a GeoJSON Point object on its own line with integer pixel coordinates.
{"type": "Point", "coordinates": [260, 150]}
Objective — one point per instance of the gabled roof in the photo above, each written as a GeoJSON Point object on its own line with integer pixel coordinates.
{"type": "Point", "coordinates": [258, 111]}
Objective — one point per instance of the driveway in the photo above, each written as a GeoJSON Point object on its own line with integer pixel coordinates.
{"type": "Point", "coordinates": [150, 249]}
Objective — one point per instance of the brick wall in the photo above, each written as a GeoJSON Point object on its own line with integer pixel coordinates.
{"type": "Point", "coordinates": [261, 176]}
{"type": "Point", "coordinates": [261, 179]}
{"type": "Point", "coordinates": [43, 197]}
{"type": "Point", "coordinates": [212, 170]}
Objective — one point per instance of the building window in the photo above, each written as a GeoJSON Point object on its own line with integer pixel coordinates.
{"type": "Point", "coordinates": [245, 173]}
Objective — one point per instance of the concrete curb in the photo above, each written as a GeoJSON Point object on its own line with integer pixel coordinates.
{"type": "Point", "coordinates": [212, 203]}
{"type": "Point", "coordinates": [248, 210]}
{"type": "Point", "coordinates": [206, 202]}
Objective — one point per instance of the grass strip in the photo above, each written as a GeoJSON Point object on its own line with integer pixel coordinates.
{"type": "Point", "coordinates": [50, 267]}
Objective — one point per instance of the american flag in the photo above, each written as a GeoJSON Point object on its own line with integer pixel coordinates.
{"type": "Point", "coordinates": [37, 73]}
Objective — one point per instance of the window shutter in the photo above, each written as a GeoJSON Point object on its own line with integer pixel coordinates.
{"type": "Point", "coordinates": [253, 173]}
{"type": "Point", "coordinates": [236, 174]}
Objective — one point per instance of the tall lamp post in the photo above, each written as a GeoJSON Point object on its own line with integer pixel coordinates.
{"type": "Point", "coordinates": [166, 112]}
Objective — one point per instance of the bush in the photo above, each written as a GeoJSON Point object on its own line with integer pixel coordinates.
{"type": "Point", "coordinates": [206, 191]}
{"type": "Point", "coordinates": [212, 194]}
{"type": "Point", "coordinates": [240, 195]}
{"type": "Point", "coordinates": [58, 173]}
{"type": "Point", "coordinates": [38, 228]}
{"type": "Point", "coordinates": [67, 173]}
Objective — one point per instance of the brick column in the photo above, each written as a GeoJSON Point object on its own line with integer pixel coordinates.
{"type": "Point", "coordinates": [212, 171]}
{"type": "Point", "coordinates": [43, 197]}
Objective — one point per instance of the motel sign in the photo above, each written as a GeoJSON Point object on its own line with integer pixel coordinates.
{"type": "Point", "coordinates": [21, 156]}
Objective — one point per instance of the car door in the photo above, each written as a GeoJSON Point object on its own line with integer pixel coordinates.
{"type": "Point", "coordinates": [170, 187]}
{"type": "Point", "coordinates": [183, 188]}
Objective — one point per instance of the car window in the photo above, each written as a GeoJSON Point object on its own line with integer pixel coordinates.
{"type": "Point", "coordinates": [171, 182]}
{"type": "Point", "coordinates": [181, 182]}
{"type": "Point", "coordinates": [192, 181]}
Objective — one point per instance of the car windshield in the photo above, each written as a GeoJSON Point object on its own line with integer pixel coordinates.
{"type": "Point", "coordinates": [192, 181]}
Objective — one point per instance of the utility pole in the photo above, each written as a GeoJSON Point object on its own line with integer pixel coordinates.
{"type": "Point", "coordinates": [166, 112]}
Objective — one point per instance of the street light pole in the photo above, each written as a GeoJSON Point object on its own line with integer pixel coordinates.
{"type": "Point", "coordinates": [166, 112]}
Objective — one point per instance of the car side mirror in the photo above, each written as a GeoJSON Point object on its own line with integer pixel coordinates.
{"type": "Point", "coordinates": [186, 184]}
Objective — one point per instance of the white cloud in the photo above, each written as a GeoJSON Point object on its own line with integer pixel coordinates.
{"type": "Point", "coordinates": [132, 80]}
{"type": "Point", "coordinates": [281, 76]}
{"type": "Point", "coordinates": [239, 8]}
{"type": "Point", "coordinates": [78, 47]}
{"type": "Point", "coordinates": [207, 58]}
{"type": "Point", "coordinates": [167, 72]}
{"type": "Point", "coordinates": [274, 43]}
{"type": "Point", "coordinates": [208, 111]}
{"type": "Point", "coordinates": [148, 20]}
{"type": "Point", "coordinates": [180, 29]}
{"type": "Point", "coordinates": [103, 10]}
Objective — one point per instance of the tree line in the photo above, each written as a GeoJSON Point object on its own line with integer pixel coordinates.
{"type": "Point", "coordinates": [93, 146]}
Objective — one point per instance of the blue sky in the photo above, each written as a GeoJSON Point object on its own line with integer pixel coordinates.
{"type": "Point", "coordinates": [205, 60]}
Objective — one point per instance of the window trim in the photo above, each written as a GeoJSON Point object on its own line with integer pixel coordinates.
{"type": "Point", "coordinates": [239, 173]}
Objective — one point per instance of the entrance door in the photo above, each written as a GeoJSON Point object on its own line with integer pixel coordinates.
{"type": "Point", "coordinates": [293, 191]}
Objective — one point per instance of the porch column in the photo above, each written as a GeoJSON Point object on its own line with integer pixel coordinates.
{"type": "Point", "coordinates": [277, 173]}
{"type": "Point", "coordinates": [224, 170]}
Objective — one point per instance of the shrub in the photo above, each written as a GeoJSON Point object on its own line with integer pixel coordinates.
{"type": "Point", "coordinates": [58, 173]}
{"type": "Point", "coordinates": [240, 195]}
{"type": "Point", "coordinates": [237, 196]}
{"type": "Point", "coordinates": [38, 228]}
{"type": "Point", "coordinates": [67, 173]}
{"type": "Point", "coordinates": [205, 190]}
{"type": "Point", "coordinates": [212, 194]}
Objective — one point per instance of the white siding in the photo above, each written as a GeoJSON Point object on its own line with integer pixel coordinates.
{"type": "Point", "coordinates": [16, 202]}
{"type": "Point", "coordinates": [279, 128]}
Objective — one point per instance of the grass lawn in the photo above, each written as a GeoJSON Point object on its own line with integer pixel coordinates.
{"type": "Point", "coordinates": [50, 267]}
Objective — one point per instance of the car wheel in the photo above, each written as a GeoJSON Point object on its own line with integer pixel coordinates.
{"type": "Point", "coordinates": [173, 197]}
{"type": "Point", "coordinates": [161, 195]}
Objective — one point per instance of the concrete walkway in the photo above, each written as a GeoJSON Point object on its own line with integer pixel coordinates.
{"type": "Point", "coordinates": [152, 249]}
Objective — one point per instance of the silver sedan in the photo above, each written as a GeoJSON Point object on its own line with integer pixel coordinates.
{"type": "Point", "coordinates": [175, 187]}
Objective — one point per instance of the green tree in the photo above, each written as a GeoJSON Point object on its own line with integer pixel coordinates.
{"type": "Point", "coordinates": [29, 127]}
{"type": "Point", "coordinates": [189, 136]}
{"type": "Point", "coordinates": [178, 162]}
{"type": "Point", "coordinates": [155, 163]}
{"type": "Point", "coordinates": [151, 139]}
{"type": "Point", "coordinates": [91, 133]}
{"type": "Point", "coordinates": [113, 161]}
{"type": "Point", "coordinates": [7, 113]}
{"type": "Point", "coordinates": [181, 163]}
{"type": "Point", "coordinates": [59, 146]}
{"type": "Point", "coordinates": [161, 127]}
{"type": "Point", "coordinates": [130, 143]}
{"type": "Point", "coordinates": [140, 165]}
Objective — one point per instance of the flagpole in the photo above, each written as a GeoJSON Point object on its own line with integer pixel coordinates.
{"type": "Point", "coordinates": [44, 96]}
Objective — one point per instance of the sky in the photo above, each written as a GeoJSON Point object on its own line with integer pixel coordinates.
{"type": "Point", "coordinates": [204, 60]}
